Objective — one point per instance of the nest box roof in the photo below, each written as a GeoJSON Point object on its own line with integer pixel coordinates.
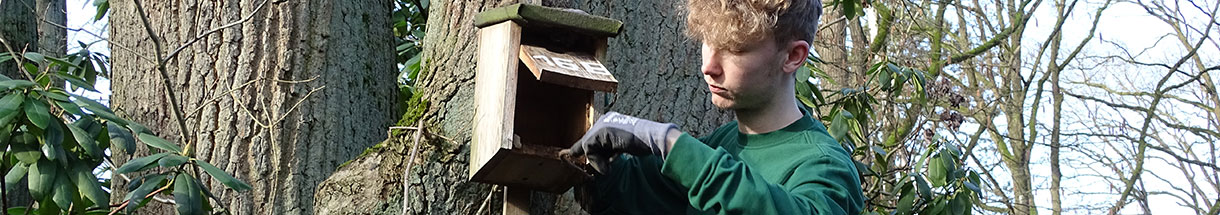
{"type": "Point", "coordinates": [534, 15]}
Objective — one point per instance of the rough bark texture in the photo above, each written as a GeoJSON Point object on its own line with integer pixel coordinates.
{"type": "Point", "coordinates": [659, 79]}
{"type": "Point", "coordinates": [52, 37]}
{"type": "Point", "coordinates": [831, 47]}
{"type": "Point", "coordinates": [18, 30]}
{"type": "Point", "coordinates": [279, 101]}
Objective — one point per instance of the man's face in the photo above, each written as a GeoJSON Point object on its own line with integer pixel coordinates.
{"type": "Point", "coordinates": [744, 79]}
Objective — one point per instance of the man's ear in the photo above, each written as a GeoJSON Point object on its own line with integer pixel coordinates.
{"type": "Point", "coordinates": [797, 51]}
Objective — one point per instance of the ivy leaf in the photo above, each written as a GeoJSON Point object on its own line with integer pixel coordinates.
{"type": "Point", "coordinates": [222, 176]}
{"type": "Point", "coordinates": [121, 138]}
{"type": "Point", "coordinates": [187, 196]}
{"type": "Point", "coordinates": [140, 164]}
{"type": "Point", "coordinates": [157, 142]}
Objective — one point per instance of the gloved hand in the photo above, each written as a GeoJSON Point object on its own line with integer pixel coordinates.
{"type": "Point", "coordinates": [615, 133]}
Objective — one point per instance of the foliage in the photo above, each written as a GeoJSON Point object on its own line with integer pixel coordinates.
{"type": "Point", "coordinates": [57, 140]}
{"type": "Point", "coordinates": [409, 18]}
{"type": "Point", "coordinates": [937, 184]}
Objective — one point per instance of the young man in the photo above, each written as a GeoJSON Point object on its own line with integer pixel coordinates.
{"type": "Point", "coordinates": [775, 159]}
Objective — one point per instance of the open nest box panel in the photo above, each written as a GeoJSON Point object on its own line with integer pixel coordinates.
{"type": "Point", "coordinates": [536, 72]}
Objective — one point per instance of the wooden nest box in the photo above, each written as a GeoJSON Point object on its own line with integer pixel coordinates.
{"type": "Point", "coordinates": [536, 72]}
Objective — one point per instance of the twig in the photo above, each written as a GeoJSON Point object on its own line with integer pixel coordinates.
{"type": "Point", "coordinates": [16, 56]}
{"type": "Point", "coordinates": [294, 106]}
{"type": "Point", "coordinates": [127, 202]}
{"type": "Point", "coordinates": [165, 80]}
{"type": "Point", "coordinates": [488, 199]}
{"type": "Point", "coordinates": [204, 34]}
{"type": "Point", "coordinates": [406, 174]}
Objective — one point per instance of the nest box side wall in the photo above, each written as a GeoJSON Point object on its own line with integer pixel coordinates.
{"type": "Point", "coordinates": [495, 91]}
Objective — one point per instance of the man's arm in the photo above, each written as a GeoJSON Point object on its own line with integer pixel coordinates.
{"type": "Point", "coordinates": [718, 182]}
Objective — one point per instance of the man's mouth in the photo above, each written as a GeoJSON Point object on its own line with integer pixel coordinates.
{"type": "Point", "coordinates": [716, 89]}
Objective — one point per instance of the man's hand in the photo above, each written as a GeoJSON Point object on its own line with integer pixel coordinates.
{"type": "Point", "coordinates": [616, 133]}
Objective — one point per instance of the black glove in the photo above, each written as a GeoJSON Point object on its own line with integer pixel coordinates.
{"type": "Point", "coordinates": [616, 133]}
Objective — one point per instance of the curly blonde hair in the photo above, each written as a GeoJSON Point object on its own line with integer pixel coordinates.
{"type": "Point", "coordinates": [730, 24]}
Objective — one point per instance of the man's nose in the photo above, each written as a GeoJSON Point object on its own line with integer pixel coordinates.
{"type": "Point", "coordinates": [711, 62]}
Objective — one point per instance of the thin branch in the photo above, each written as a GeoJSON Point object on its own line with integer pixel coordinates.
{"type": "Point", "coordinates": [165, 79]}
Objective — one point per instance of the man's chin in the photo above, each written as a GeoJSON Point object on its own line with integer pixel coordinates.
{"type": "Point", "coordinates": [722, 103]}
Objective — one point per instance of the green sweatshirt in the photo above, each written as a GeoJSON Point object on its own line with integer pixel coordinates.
{"type": "Point", "coordinates": [799, 169]}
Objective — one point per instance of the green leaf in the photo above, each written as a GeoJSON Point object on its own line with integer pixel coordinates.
{"type": "Point", "coordinates": [157, 142]}
{"type": "Point", "coordinates": [906, 202]}
{"type": "Point", "coordinates": [102, 7]}
{"type": "Point", "coordinates": [14, 84]}
{"type": "Point", "coordinates": [86, 141]}
{"type": "Point", "coordinates": [838, 126]}
{"type": "Point", "coordinates": [136, 197]}
{"type": "Point", "coordinates": [973, 187]}
{"type": "Point", "coordinates": [70, 108]}
{"type": "Point", "coordinates": [949, 165]}
{"type": "Point", "coordinates": [52, 147]}
{"type": "Point", "coordinates": [65, 191]}
{"type": "Point", "coordinates": [15, 174]}
{"type": "Point", "coordinates": [849, 8]}
{"type": "Point", "coordinates": [936, 171]}
{"type": "Point", "coordinates": [76, 81]}
{"type": "Point", "coordinates": [89, 186]}
{"type": "Point", "coordinates": [26, 151]}
{"type": "Point", "coordinates": [42, 178]}
{"type": "Point", "coordinates": [959, 205]}
{"type": "Point", "coordinates": [121, 138]}
{"type": "Point", "coordinates": [97, 108]}
{"type": "Point", "coordinates": [57, 95]}
{"type": "Point", "coordinates": [35, 57]}
{"type": "Point", "coordinates": [925, 192]}
{"type": "Point", "coordinates": [37, 112]}
{"type": "Point", "coordinates": [222, 176]}
{"type": "Point", "coordinates": [187, 196]}
{"type": "Point", "coordinates": [172, 160]}
{"type": "Point", "coordinates": [140, 164]}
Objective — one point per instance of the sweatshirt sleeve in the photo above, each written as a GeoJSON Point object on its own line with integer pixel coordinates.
{"type": "Point", "coordinates": [717, 182]}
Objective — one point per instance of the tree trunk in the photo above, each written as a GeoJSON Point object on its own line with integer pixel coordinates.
{"type": "Point", "coordinates": [278, 101]}
{"type": "Point", "coordinates": [52, 36]}
{"type": "Point", "coordinates": [831, 46]}
{"type": "Point", "coordinates": [18, 30]}
{"type": "Point", "coordinates": [657, 69]}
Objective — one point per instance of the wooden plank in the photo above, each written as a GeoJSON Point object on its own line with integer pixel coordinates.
{"type": "Point", "coordinates": [573, 69]}
{"type": "Point", "coordinates": [495, 91]}
{"type": "Point", "coordinates": [516, 201]}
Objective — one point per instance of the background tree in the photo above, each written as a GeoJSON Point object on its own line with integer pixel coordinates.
{"type": "Point", "coordinates": [277, 92]}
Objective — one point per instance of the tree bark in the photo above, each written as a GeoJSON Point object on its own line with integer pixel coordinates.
{"type": "Point", "coordinates": [659, 79]}
{"type": "Point", "coordinates": [18, 30]}
{"type": "Point", "coordinates": [278, 101]}
{"type": "Point", "coordinates": [831, 46]}
{"type": "Point", "coordinates": [52, 37]}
